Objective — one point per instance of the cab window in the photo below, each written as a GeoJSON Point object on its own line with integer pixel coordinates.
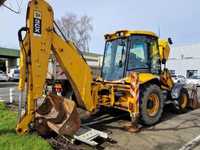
{"type": "Point", "coordinates": [143, 53]}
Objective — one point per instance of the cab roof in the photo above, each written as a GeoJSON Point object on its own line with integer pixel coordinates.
{"type": "Point", "coordinates": [126, 33]}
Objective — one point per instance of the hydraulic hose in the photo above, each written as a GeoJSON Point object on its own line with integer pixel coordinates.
{"type": "Point", "coordinates": [23, 29]}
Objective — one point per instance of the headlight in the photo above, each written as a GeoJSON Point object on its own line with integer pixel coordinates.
{"type": "Point", "coordinates": [120, 34]}
{"type": "Point", "coordinates": [107, 37]}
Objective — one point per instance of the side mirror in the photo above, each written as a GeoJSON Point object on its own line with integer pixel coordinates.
{"type": "Point", "coordinates": [170, 41]}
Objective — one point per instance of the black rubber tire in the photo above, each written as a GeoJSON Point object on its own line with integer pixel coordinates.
{"type": "Point", "coordinates": [180, 109]}
{"type": "Point", "coordinates": [145, 119]}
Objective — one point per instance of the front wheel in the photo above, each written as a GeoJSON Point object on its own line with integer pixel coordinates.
{"type": "Point", "coordinates": [152, 105]}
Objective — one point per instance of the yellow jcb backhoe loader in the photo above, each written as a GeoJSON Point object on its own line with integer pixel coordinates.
{"type": "Point", "coordinates": [134, 76]}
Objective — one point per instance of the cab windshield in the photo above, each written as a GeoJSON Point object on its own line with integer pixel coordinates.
{"type": "Point", "coordinates": [143, 53]}
{"type": "Point", "coordinates": [114, 59]}
{"type": "Point", "coordinates": [138, 53]}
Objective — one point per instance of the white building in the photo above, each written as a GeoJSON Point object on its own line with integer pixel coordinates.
{"type": "Point", "coordinates": [94, 60]}
{"type": "Point", "coordinates": [185, 60]}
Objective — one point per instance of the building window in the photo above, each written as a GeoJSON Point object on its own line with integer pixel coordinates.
{"type": "Point", "coordinates": [191, 73]}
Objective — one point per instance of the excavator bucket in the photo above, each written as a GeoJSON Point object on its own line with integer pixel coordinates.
{"type": "Point", "coordinates": [57, 115]}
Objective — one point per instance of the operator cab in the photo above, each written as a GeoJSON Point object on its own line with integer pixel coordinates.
{"type": "Point", "coordinates": [127, 51]}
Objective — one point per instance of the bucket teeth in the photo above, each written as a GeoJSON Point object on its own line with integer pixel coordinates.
{"type": "Point", "coordinates": [57, 114]}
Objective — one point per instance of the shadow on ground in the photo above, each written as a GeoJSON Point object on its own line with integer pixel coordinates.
{"type": "Point", "coordinates": [104, 120]}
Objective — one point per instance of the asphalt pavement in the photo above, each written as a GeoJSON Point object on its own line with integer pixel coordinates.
{"type": "Point", "coordinates": [174, 132]}
{"type": "Point", "coordinates": [171, 134]}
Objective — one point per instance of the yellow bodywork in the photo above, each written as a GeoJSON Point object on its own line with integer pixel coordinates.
{"type": "Point", "coordinates": [145, 77]}
{"type": "Point", "coordinates": [34, 55]}
{"type": "Point", "coordinates": [126, 33]}
{"type": "Point", "coordinates": [164, 49]}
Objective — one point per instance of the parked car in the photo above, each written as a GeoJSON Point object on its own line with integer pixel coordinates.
{"type": "Point", "coordinates": [193, 80]}
{"type": "Point", "coordinates": [14, 74]}
{"type": "Point", "coordinates": [3, 76]}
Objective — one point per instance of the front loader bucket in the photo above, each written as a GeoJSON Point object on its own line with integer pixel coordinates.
{"type": "Point", "coordinates": [57, 114]}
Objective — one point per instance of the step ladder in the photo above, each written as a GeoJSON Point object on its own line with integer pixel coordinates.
{"type": "Point", "coordinates": [87, 135]}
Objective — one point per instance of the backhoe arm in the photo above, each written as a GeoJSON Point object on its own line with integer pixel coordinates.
{"type": "Point", "coordinates": [39, 41]}
{"type": "Point", "coordinates": [76, 70]}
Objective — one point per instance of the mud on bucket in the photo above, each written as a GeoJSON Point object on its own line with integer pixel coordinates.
{"type": "Point", "coordinates": [57, 114]}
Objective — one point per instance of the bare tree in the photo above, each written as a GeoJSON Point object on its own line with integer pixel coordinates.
{"type": "Point", "coordinates": [1, 2]}
{"type": "Point", "coordinates": [77, 29]}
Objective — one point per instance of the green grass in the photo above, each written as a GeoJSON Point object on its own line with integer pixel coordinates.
{"type": "Point", "coordinates": [9, 140]}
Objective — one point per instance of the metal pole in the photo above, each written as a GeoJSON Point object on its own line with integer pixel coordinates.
{"type": "Point", "coordinates": [11, 95]}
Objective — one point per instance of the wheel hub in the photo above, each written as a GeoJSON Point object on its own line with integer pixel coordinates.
{"type": "Point", "coordinates": [153, 105]}
{"type": "Point", "coordinates": [183, 101]}
{"type": "Point", "coordinates": [150, 104]}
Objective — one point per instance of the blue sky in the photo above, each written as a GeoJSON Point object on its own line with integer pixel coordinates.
{"type": "Point", "coordinates": [179, 19]}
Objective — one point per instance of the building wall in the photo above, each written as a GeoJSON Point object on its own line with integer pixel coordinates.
{"type": "Point", "coordinates": [10, 58]}
{"type": "Point", "coordinates": [3, 65]}
{"type": "Point", "coordinates": [8, 63]}
{"type": "Point", "coordinates": [184, 58]}
{"type": "Point", "coordinates": [95, 62]}
{"type": "Point", "coordinates": [11, 63]}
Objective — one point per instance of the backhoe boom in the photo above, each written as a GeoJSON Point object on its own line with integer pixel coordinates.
{"type": "Point", "coordinates": [36, 47]}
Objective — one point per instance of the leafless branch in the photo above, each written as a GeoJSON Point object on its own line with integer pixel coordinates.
{"type": "Point", "coordinates": [77, 29]}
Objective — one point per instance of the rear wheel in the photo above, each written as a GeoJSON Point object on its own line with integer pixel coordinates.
{"type": "Point", "coordinates": [152, 105]}
{"type": "Point", "coordinates": [183, 102]}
